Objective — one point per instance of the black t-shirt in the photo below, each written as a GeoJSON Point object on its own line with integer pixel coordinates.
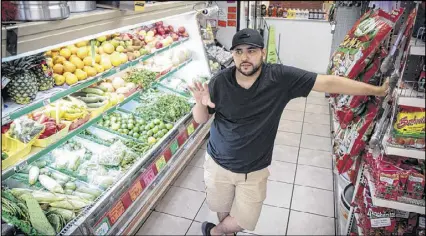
{"type": "Point", "coordinates": [246, 121]}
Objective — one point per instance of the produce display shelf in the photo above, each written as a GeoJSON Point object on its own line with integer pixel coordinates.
{"type": "Point", "coordinates": [391, 204]}
{"type": "Point", "coordinates": [115, 193]}
{"type": "Point", "coordinates": [42, 36]}
{"type": "Point", "coordinates": [399, 151]}
{"type": "Point", "coordinates": [11, 170]}
{"type": "Point", "coordinates": [412, 102]}
{"type": "Point", "coordinates": [25, 109]}
{"type": "Point", "coordinates": [144, 204]}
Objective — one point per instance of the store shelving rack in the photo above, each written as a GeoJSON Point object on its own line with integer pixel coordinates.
{"type": "Point", "coordinates": [407, 96]}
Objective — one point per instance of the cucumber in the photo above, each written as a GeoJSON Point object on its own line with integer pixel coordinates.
{"type": "Point", "coordinates": [96, 105]}
{"type": "Point", "coordinates": [88, 100]}
{"type": "Point", "coordinates": [93, 90]}
{"type": "Point", "coordinates": [79, 94]}
{"type": "Point", "coordinates": [102, 88]}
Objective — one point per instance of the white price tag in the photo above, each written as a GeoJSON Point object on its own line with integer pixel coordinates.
{"type": "Point", "coordinates": [415, 179]}
{"type": "Point", "coordinates": [386, 180]}
{"type": "Point", "coordinates": [422, 222]}
{"type": "Point", "coordinates": [402, 214]}
{"type": "Point", "coordinates": [381, 222]}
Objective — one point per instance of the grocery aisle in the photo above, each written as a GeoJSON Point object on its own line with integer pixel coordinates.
{"type": "Point", "coordinates": [300, 189]}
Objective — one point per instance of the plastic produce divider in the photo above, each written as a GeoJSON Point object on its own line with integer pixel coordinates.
{"type": "Point", "coordinates": [142, 182]}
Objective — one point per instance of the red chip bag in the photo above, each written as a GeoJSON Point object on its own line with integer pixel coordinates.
{"type": "Point", "coordinates": [362, 40]}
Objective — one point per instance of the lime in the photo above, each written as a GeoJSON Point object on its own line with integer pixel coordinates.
{"type": "Point", "coordinates": [130, 126]}
{"type": "Point", "coordinates": [147, 127]}
{"type": "Point", "coordinates": [136, 129]}
{"type": "Point", "coordinates": [131, 132]}
{"type": "Point", "coordinates": [115, 126]}
{"type": "Point", "coordinates": [157, 121]}
{"type": "Point", "coordinates": [152, 125]}
{"type": "Point", "coordinates": [135, 135]}
{"type": "Point", "coordinates": [144, 132]}
{"type": "Point", "coordinates": [155, 129]}
{"type": "Point", "coordinates": [125, 131]}
{"type": "Point", "coordinates": [142, 138]}
{"type": "Point", "coordinates": [164, 131]}
{"type": "Point", "coordinates": [150, 133]}
{"type": "Point", "coordinates": [169, 126]}
{"type": "Point", "coordinates": [141, 121]}
{"type": "Point", "coordinates": [113, 119]}
{"type": "Point", "coordinates": [162, 126]}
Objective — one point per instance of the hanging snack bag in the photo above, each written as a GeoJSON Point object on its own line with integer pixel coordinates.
{"type": "Point", "coordinates": [362, 40]}
{"type": "Point", "coordinates": [355, 139]}
{"type": "Point", "coordinates": [409, 128]}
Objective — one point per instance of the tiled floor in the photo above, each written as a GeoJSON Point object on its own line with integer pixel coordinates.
{"type": "Point", "coordinates": [300, 189]}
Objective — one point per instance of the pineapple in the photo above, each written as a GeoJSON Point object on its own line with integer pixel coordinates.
{"type": "Point", "coordinates": [42, 72]}
{"type": "Point", "coordinates": [23, 85]}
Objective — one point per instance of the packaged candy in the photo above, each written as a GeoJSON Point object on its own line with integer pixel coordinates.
{"type": "Point", "coordinates": [415, 185]}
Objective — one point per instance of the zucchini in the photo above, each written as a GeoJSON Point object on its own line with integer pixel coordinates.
{"type": "Point", "coordinates": [93, 91]}
{"type": "Point", "coordinates": [92, 191]}
{"type": "Point", "coordinates": [88, 100]}
{"type": "Point", "coordinates": [79, 94]}
{"type": "Point", "coordinates": [102, 88]}
{"type": "Point", "coordinates": [97, 104]}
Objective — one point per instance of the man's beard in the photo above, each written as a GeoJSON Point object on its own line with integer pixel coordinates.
{"type": "Point", "coordinates": [255, 69]}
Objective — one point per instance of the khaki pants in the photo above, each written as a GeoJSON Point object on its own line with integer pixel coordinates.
{"type": "Point", "coordinates": [232, 192]}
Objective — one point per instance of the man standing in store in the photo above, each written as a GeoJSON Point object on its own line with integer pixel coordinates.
{"type": "Point", "coordinates": [248, 100]}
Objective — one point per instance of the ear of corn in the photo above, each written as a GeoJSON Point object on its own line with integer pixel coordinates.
{"type": "Point", "coordinates": [50, 184]}
{"type": "Point", "coordinates": [33, 175]}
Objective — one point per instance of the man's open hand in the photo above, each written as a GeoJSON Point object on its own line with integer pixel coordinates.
{"type": "Point", "coordinates": [201, 94]}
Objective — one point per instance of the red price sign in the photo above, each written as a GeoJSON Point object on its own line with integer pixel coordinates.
{"type": "Point", "coordinates": [148, 176]}
{"type": "Point", "coordinates": [135, 190]}
{"type": "Point", "coordinates": [115, 213]}
{"type": "Point", "coordinates": [161, 162]}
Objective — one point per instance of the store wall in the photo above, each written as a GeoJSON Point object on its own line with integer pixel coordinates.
{"type": "Point", "coordinates": [305, 44]}
{"type": "Point", "coordinates": [224, 34]}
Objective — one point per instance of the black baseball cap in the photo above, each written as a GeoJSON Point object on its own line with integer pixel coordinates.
{"type": "Point", "coordinates": [248, 36]}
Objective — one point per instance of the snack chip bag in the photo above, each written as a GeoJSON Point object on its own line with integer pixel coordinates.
{"type": "Point", "coordinates": [409, 128]}
{"type": "Point", "coordinates": [362, 40]}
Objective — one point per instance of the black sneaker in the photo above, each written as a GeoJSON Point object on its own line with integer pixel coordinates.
{"type": "Point", "coordinates": [206, 227]}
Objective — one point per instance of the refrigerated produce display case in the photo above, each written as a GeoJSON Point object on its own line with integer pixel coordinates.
{"type": "Point", "coordinates": [96, 118]}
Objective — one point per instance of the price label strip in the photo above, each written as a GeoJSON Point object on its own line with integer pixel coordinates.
{"type": "Point", "coordinates": [174, 146]}
{"type": "Point", "coordinates": [135, 190]}
{"type": "Point", "coordinates": [115, 213]}
{"type": "Point", "coordinates": [161, 162]}
{"type": "Point", "coordinates": [103, 227]}
{"type": "Point", "coordinates": [190, 129]}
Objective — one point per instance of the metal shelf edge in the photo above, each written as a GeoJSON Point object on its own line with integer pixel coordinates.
{"type": "Point", "coordinates": [412, 153]}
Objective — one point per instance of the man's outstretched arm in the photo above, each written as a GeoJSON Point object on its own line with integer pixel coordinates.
{"type": "Point", "coordinates": [341, 85]}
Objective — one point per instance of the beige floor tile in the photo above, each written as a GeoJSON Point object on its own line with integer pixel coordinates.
{"type": "Point", "coordinates": [289, 139]}
{"type": "Point", "coordinates": [315, 158]}
{"type": "Point", "coordinates": [192, 177]}
{"type": "Point", "coordinates": [292, 115]}
{"type": "Point", "coordinates": [272, 221]}
{"type": "Point", "coordinates": [316, 129]}
{"type": "Point", "coordinates": [290, 126]}
{"type": "Point", "coordinates": [163, 224]}
{"type": "Point", "coordinates": [315, 143]}
{"type": "Point", "coordinates": [312, 200]}
{"type": "Point", "coordinates": [181, 202]}
{"type": "Point", "coordinates": [308, 224]}
{"type": "Point", "coordinates": [317, 109]}
{"type": "Point", "coordinates": [282, 171]}
{"type": "Point", "coordinates": [313, 118]}
{"type": "Point", "coordinates": [278, 194]}
{"type": "Point", "coordinates": [285, 153]}
{"type": "Point", "coordinates": [314, 177]}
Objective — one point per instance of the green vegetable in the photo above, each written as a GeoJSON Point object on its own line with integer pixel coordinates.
{"type": "Point", "coordinates": [33, 175]}
{"type": "Point", "coordinates": [94, 192]}
{"type": "Point", "coordinates": [97, 104]}
{"type": "Point", "coordinates": [59, 177]}
{"type": "Point", "coordinates": [67, 214]}
{"type": "Point", "coordinates": [37, 218]}
{"type": "Point", "coordinates": [46, 197]}
{"type": "Point", "coordinates": [70, 204]}
{"type": "Point", "coordinates": [50, 184]}
{"type": "Point", "coordinates": [93, 91]}
{"type": "Point", "coordinates": [40, 163]}
{"type": "Point", "coordinates": [55, 221]}
{"type": "Point", "coordinates": [86, 196]}
{"type": "Point", "coordinates": [4, 156]}
{"type": "Point", "coordinates": [25, 226]}
{"type": "Point", "coordinates": [141, 77]}
{"type": "Point", "coordinates": [18, 192]}
{"type": "Point", "coordinates": [70, 185]}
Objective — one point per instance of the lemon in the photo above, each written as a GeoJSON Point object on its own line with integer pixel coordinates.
{"type": "Point", "coordinates": [87, 61]}
{"type": "Point", "coordinates": [59, 60]}
{"type": "Point", "coordinates": [71, 79]}
{"type": "Point", "coordinates": [48, 53]}
{"type": "Point", "coordinates": [90, 71]}
{"type": "Point", "coordinates": [65, 52]}
{"type": "Point", "coordinates": [58, 69]}
{"type": "Point", "coordinates": [55, 54]}
{"type": "Point", "coordinates": [115, 60]}
{"type": "Point", "coordinates": [98, 68]}
{"type": "Point", "coordinates": [66, 73]}
{"type": "Point", "coordinates": [82, 52]}
{"type": "Point", "coordinates": [97, 58]}
{"type": "Point", "coordinates": [106, 63]}
{"type": "Point", "coordinates": [59, 79]}
{"type": "Point", "coordinates": [77, 62]}
{"type": "Point", "coordinates": [82, 44]}
{"type": "Point", "coordinates": [69, 67]}
{"type": "Point", "coordinates": [73, 49]}
{"type": "Point", "coordinates": [108, 48]}
{"type": "Point", "coordinates": [101, 39]}
{"type": "Point", "coordinates": [81, 75]}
